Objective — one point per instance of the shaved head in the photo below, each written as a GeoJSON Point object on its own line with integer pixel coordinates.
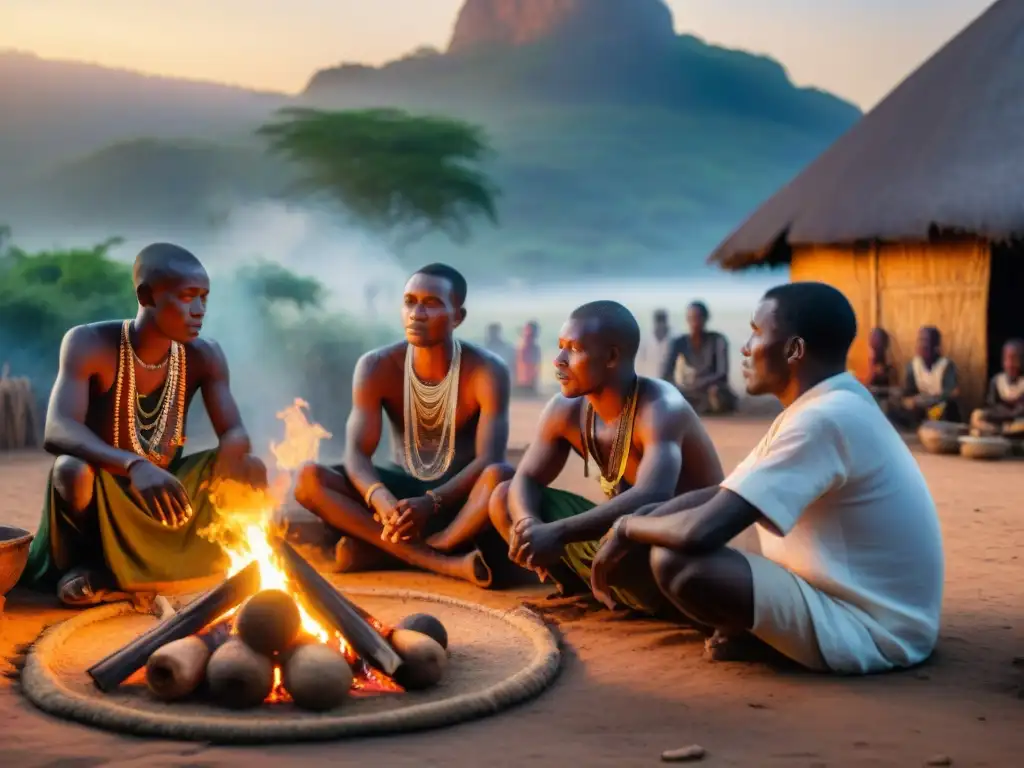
{"type": "Point", "coordinates": [613, 323]}
{"type": "Point", "coordinates": [161, 262]}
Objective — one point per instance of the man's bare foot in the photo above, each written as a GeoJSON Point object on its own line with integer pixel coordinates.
{"type": "Point", "coordinates": [83, 587]}
{"type": "Point", "coordinates": [476, 570]}
{"type": "Point", "coordinates": [355, 556]}
{"type": "Point", "coordinates": [738, 647]}
{"type": "Point", "coordinates": [441, 542]}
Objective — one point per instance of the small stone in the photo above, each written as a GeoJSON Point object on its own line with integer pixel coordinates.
{"type": "Point", "coordinates": [1018, 661]}
{"type": "Point", "coordinates": [940, 760]}
{"type": "Point", "coordinates": [690, 754]}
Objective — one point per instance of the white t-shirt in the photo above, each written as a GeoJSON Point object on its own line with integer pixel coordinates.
{"type": "Point", "coordinates": [854, 518]}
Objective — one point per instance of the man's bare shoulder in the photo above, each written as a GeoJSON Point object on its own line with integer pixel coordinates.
{"type": "Point", "coordinates": [484, 361]}
{"type": "Point", "coordinates": [383, 361]}
{"type": "Point", "coordinates": [93, 341]}
{"type": "Point", "coordinates": [562, 414]}
{"type": "Point", "coordinates": [661, 404]}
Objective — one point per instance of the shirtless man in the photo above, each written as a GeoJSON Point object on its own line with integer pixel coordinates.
{"type": "Point", "coordinates": [851, 576]}
{"type": "Point", "coordinates": [447, 403]}
{"type": "Point", "coordinates": [124, 508]}
{"type": "Point", "coordinates": [640, 435]}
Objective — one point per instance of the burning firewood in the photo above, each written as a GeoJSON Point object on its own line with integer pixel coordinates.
{"type": "Point", "coordinates": [336, 611]}
{"type": "Point", "coordinates": [178, 668]}
{"type": "Point", "coordinates": [120, 665]}
{"type": "Point", "coordinates": [269, 621]}
{"type": "Point", "coordinates": [424, 661]}
{"type": "Point", "coordinates": [316, 676]}
{"type": "Point", "coordinates": [238, 676]}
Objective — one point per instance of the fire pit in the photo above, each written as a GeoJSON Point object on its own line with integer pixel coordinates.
{"type": "Point", "coordinates": [496, 659]}
{"type": "Point", "coordinates": [277, 652]}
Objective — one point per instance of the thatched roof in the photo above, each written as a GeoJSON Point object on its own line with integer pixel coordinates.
{"type": "Point", "coordinates": [944, 152]}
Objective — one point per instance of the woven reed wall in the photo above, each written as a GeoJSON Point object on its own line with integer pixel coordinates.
{"type": "Point", "coordinates": [904, 286]}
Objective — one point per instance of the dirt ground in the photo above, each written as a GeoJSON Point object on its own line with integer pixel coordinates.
{"type": "Point", "coordinates": [630, 690]}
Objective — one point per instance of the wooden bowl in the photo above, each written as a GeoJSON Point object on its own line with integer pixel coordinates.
{"type": "Point", "coordinates": [941, 436]}
{"type": "Point", "coordinates": [988, 448]}
{"type": "Point", "coordinates": [14, 543]}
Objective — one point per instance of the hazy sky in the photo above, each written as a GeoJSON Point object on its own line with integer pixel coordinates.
{"type": "Point", "coordinates": [859, 49]}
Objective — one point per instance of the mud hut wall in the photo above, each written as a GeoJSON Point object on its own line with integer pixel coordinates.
{"type": "Point", "coordinates": [945, 285]}
{"type": "Point", "coordinates": [904, 286]}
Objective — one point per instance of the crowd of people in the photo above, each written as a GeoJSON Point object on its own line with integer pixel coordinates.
{"type": "Point", "coordinates": [847, 576]}
{"type": "Point", "coordinates": [930, 388]}
{"type": "Point", "coordinates": [697, 363]}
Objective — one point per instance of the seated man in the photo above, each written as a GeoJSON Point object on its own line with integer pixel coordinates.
{"type": "Point", "coordinates": [705, 355]}
{"type": "Point", "coordinates": [930, 386]}
{"type": "Point", "coordinates": [124, 507]}
{"type": "Point", "coordinates": [644, 439]}
{"type": "Point", "coordinates": [1004, 405]}
{"type": "Point", "coordinates": [880, 377]}
{"type": "Point", "coordinates": [851, 575]}
{"type": "Point", "coordinates": [447, 403]}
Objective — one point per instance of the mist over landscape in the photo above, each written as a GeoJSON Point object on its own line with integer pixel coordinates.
{"type": "Point", "coordinates": [622, 152]}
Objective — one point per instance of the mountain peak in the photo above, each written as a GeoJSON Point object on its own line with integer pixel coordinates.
{"type": "Point", "coordinates": [489, 23]}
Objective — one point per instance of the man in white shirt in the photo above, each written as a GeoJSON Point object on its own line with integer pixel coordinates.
{"type": "Point", "coordinates": [851, 575]}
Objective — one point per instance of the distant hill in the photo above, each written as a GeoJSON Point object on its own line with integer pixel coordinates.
{"type": "Point", "coordinates": [612, 156]}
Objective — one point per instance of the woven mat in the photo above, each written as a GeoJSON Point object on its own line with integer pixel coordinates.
{"type": "Point", "coordinates": [497, 659]}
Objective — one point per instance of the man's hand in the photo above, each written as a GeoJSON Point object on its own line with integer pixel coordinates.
{"type": "Point", "coordinates": [614, 548]}
{"type": "Point", "coordinates": [411, 516]}
{"type": "Point", "coordinates": [241, 467]}
{"type": "Point", "coordinates": [159, 493]}
{"type": "Point", "coordinates": [536, 545]}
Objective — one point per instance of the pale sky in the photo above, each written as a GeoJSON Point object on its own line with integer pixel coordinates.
{"type": "Point", "coordinates": [858, 49]}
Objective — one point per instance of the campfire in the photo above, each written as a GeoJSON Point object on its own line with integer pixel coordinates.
{"type": "Point", "coordinates": [275, 630]}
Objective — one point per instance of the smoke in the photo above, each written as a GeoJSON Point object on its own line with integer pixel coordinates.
{"type": "Point", "coordinates": [355, 269]}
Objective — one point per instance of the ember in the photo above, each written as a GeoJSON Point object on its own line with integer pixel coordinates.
{"type": "Point", "coordinates": [275, 622]}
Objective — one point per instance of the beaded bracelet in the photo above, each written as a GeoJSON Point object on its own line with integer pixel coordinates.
{"type": "Point", "coordinates": [370, 491]}
{"type": "Point", "coordinates": [437, 500]}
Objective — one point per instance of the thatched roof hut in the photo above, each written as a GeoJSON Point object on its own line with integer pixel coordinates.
{"type": "Point", "coordinates": [917, 212]}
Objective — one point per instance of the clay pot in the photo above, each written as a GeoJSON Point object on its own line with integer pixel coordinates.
{"type": "Point", "coordinates": [316, 676]}
{"type": "Point", "coordinates": [269, 621]}
{"type": "Point", "coordinates": [426, 624]}
{"type": "Point", "coordinates": [238, 676]}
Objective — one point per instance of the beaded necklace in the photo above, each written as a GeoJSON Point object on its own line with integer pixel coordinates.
{"type": "Point", "coordinates": [147, 429]}
{"type": "Point", "coordinates": [618, 457]}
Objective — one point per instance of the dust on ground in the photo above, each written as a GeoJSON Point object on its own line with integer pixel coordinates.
{"type": "Point", "coordinates": [632, 689]}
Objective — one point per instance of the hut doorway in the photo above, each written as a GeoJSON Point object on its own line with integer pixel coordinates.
{"type": "Point", "coordinates": [1006, 292]}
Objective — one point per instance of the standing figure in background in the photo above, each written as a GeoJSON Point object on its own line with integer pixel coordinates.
{"type": "Point", "coordinates": [931, 384]}
{"type": "Point", "coordinates": [495, 343]}
{"type": "Point", "coordinates": [706, 357]}
{"type": "Point", "coordinates": [655, 348]}
{"type": "Point", "coordinates": [880, 376]}
{"type": "Point", "coordinates": [1004, 405]}
{"type": "Point", "coordinates": [528, 360]}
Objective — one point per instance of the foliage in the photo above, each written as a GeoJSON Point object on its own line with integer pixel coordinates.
{"type": "Point", "coordinates": [44, 294]}
{"type": "Point", "coordinates": [273, 283]}
{"type": "Point", "coordinates": [398, 173]}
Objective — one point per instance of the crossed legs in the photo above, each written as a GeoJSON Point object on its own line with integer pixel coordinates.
{"type": "Point", "coordinates": [328, 494]}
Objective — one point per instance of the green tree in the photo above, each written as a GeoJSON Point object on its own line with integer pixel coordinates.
{"type": "Point", "coordinates": [402, 175]}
